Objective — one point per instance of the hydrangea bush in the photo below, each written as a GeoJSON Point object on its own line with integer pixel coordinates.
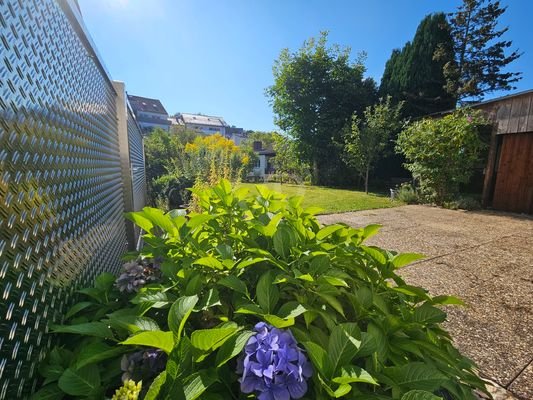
{"type": "Point", "coordinates": [253, 298]}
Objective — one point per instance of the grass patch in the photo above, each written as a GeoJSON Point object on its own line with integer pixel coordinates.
{"type": "Point", "coordinates": [332, 200]}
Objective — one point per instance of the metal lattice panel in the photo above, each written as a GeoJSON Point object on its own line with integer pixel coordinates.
{"type": "Point", "coordinates": [137, 167]}
{"type": "Point", "coordinates": [135, 139]}
{"type": "Point", "coordinates": [61, 200]}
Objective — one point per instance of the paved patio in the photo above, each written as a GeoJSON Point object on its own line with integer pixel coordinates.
{"type": "Point", "coordinates": [485, 258]}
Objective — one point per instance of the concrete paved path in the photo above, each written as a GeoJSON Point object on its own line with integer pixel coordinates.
{"type": "Point", "coordinates": [486, 259]}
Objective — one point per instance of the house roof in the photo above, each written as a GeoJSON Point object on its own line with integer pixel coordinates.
{"type": "Point", "coordinates": [481, 103]}
{"type": "Point", "coordinates": [202, 119]}
{"type": "Point", "coordinates": [503, 97]}
{"type": "Point", "coordinates": [175, 121]}
{"type": "Point", "coordinates": [146, 104]}
{"type": "Point", "coordinates": [267, 152]}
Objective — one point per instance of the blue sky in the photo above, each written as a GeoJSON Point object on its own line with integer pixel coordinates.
{"type": "Point", "coordinates": [216, 57]}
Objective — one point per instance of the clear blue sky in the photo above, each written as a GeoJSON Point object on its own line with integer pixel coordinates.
{"type": "Point", "coordinates": [216, 57]}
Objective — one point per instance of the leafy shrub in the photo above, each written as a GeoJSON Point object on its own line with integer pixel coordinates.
{"type": "Point", "coordinates": [173, 191]}
{"type": "Point", "coordinates": [181, 317]}
{"type": "Point", "coordinates": [164, 152]}
{"type": "Point", "coordinates": [407, 193]}
{"type": "Point", "coordinates": [179, 159]}
{"type": "Point", "coordinates": [215, 157]}
{"type": "Point", "coordinates": [469, 203]}
{"type": "Point", "coordinates": [463, 203]}
{"type": "Point", "coordinates": [283, 177]}
{"type": "Point", "coordinates": [442, 153]}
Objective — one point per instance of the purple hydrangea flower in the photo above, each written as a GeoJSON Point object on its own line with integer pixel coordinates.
{"type": "Point", "coordinates": [273, 365]}
{"type": "Point", "coordinates": [143, 364]}
{"type": "Point", "coordinates": [136, 275]}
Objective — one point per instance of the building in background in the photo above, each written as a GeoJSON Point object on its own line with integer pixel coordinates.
{"type": "Point", "coordinates": [209, 125]}
{"type": "Point", "coordinates": [263, 166]}
{"type": "Point", "coordinates": [202, 123]}
{"type": "Point", "coordinates": [236, 134]}
{"type": "Point", "coordinates": [149, 113]}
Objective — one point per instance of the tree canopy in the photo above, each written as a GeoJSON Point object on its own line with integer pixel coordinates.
{"type": "Point", "coordinates": [288, 165]}
{"type": "Point", "coordinates": [414, 75]}
{"type": "Point", "coordinates": [266, 138]}
{"type": "Point", "coordinates": [480, 54]}
{"type": "Point", "coordinates": [367, 138]}
{"type": "Point", "coordinates": [315, 92]}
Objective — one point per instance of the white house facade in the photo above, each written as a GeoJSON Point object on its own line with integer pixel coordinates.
{"type": "Point", "coordinates": [263, 166]}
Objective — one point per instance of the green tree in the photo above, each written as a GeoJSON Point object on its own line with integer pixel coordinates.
{"type": "Point", "coordinates": [441, 153]}
{"type": "Point", "coordinates": [183, 135]}
{"type": "Point", "coordinates": [391, 80]}
{"type": "Point", "coordinates": [480, 56]}
{"type": "Point", "coordinates": [159, 148]}
{"type": "Point", "coordinates": [315, 92]}
{"type": "Point", "coordinates": [366, 139]}
{"type": "Point", "coordinates": [247, 145]}
{"type": "Point", "coordinates": [266, 139]}
{"type": "Point", "coordinates": [162, 147]}
{"type": "Point", "coordinates": [166, 165]}
{"type": "Point", "coordinates": [287, 162]}
{"type": "Point", "coordinates": [415, 75]}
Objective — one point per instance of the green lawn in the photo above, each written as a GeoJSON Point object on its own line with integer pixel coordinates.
{"type": "Point", "coordinates": [332, 200]}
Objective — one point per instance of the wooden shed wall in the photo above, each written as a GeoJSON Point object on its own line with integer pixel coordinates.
{"type": "Point", "coordinates": [508, 181]}
{"type": "Point", "coordinates": [513, 189]}
{"type": "Point", "coordinates": [510, 115]}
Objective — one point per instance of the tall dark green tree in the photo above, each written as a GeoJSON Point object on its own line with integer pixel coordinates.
{"type": "Point", "coordinates": [415, 75]}
{"type": "Point", "coordinates": [481, 57]}
{"type": "Point", "coordinates": [390, 81]}
{"type": "Point", "coordinates": [315, 92]}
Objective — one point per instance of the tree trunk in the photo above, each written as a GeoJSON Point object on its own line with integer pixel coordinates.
{"type": "Point", "coordinates": [462, 54]}
{"type": "Point", "coordinates": [315, 172]}
{"type": "Point", "coordinates": [366, 178]}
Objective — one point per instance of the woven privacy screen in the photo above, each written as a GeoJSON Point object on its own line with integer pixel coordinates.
{"type": "Point", "coordinates": [61, 200]}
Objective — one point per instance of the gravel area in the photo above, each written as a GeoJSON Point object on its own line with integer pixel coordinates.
{"type": "Point", "coordinates": [485, 258]}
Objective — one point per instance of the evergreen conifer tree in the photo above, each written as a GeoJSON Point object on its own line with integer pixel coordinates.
{"type": "Point", "coordinates": [415, 76]}
{"type": "Point", "coordinates": [480, 57]}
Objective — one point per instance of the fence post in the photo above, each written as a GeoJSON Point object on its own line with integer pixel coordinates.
{"type": "Point", "coordinates": [125, 162]}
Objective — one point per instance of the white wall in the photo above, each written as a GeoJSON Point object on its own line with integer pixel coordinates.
{"type": "Point", "coordinates": [260, 171]}
{"type": "Point", "coordinates": [207, 129]}
{"type": "Point", "coordinates": [237, 139]}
